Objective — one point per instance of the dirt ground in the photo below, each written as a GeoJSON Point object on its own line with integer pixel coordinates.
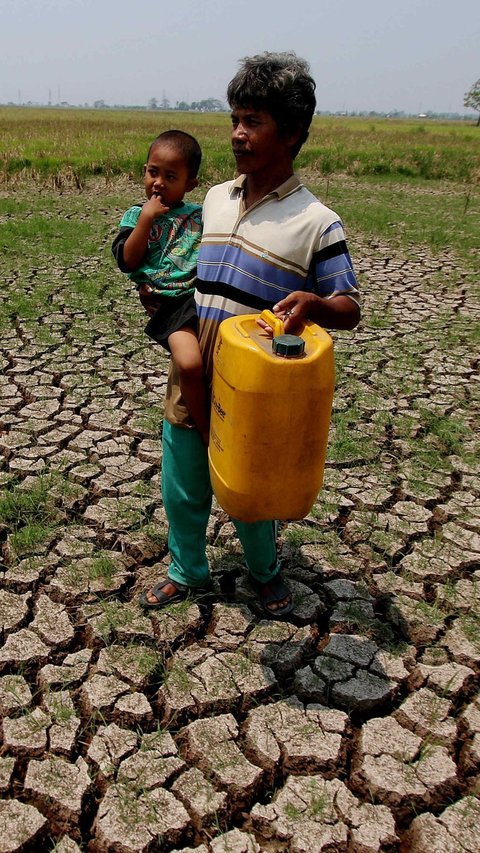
{"type": "Point", "coordinates": [354, 726]}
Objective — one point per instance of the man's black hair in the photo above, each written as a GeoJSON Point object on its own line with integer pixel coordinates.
{"type": "Point", "coordinates": [281, 84]}
{"type": "Point", "coordinates": [186, 144]}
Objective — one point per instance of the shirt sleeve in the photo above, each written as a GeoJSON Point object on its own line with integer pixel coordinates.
{"type": "Point", "coordinates": [127, 224]}
{"type": "Point", "coordinates": [331, 272]}
{"type": "Point", "coordinates": [117, 248]}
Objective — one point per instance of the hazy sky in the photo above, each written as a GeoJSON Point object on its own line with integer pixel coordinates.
{"type": "Point", "coordinates": [412, 55]}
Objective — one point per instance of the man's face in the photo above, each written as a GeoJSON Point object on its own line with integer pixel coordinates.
{"type": "Point", "coordinates": [256, 142]}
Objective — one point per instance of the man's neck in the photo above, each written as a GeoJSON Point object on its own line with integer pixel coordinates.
{"type": "Point", "coordinates": [258, 185]}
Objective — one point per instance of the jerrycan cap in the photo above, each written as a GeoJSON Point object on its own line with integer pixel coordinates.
{"type": "Point", "coordinates": [288, 346]}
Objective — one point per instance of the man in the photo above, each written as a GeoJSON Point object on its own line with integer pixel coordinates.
{"type": "Point", "coordinates": [267, 243]}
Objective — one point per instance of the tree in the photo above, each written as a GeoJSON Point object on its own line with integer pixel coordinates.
{"type": "Point", "coordinates": [152, 104]}
{"type": "Point", "coordinates": [472, 99]}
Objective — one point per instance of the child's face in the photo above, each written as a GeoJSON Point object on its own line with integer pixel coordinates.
{"type": "Point", "coordinates": [166, 175]}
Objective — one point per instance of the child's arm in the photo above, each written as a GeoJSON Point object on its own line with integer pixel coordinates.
{"type": "Point", "coordinates": [135, 246]}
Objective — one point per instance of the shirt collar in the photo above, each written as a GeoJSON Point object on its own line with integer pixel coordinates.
{"type": "Point", "coordinates": [292, 183]}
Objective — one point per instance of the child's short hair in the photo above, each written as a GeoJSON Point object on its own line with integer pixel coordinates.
{"type": "Point", "coordinates": [280, 83]}
{"type": "Point", "coordinates": [186, 144]}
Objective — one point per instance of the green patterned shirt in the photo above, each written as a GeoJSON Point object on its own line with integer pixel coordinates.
{"type": "Point", "coordinates": [170, 263]}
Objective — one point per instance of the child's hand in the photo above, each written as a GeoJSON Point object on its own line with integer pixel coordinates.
{"type": "Point", "coordinates": [154, 207]}
{"type": "Point", "coordinates": [147, 299]}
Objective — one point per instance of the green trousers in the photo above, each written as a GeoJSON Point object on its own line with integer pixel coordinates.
{"type": "Point", "coordinates": [187, 498]}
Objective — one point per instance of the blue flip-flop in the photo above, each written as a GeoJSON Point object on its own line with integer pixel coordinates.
{"type": "Point", "coordinates": [163, 600]}
{"type": "Point", "coordinates": [273, 590]}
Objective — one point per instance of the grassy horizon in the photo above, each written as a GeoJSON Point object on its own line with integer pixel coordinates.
{"type": "Point", "coordinates": [407, 181]}
{"type": "Point", "coordinates": [45, 142]}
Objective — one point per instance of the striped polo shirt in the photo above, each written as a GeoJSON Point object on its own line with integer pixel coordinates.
{"type": "Point", "coordinates": [251, 259]}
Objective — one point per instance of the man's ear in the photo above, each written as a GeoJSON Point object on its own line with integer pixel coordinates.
{"type": "Point", "coordinates": [191, 184]}
{"type": "Point", "coordinates": [292, 138]}
{"type": "Point", "coordinates": [144, 169]}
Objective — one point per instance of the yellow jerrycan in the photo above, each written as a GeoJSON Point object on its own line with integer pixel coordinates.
{"type": "Point", "coordinates": [270, 414]}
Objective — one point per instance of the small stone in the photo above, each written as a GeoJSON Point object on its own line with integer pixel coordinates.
{"type": "Point", "coordinates": [7, 766]}
{"type": "Point", "coordinates": [204, 804]}
{"type": "Point", "coordinates": [108, 747]}
{"type": "Point", "coordinates": [352, 648]}
{"type": "Point", "coordinates": [211, 743]}
{"type": "Point", "coordinates": [26, 735]}
{"type": "Point", "coordinates": [363, 693]}
{"type": "Point", "coordinates": [14, 694]}
{"type": "Point", "coordinates": [228, 626]}
{"type": "Point", "coordinates": [20, 825]}
{"type": "Point", "coordinates": [155, 763]}
{"type": "Point", "coordinates": [454, 830]}
{"type": "Point", "coordinates": [60, 789]}
{"type": "Point", "coordinates": [134, 663]}
{"type": "Point", "coordinates": [13, 610]}
{"type": "Point", "coordinates": [70, 674]}
{"type": "Point", "coordinates": [279, 645]}
{"type": "Point", "coordinates": [52, 623]}
{"type": "Point", "coordinates": [309, 686]}
{"type": "Point", "coordinates": [101, 692]}
{"type": "Point", "coordinates": [23, 647]}
{"type": "Point", "coordinates": [428, 715]}
{"type": "Point", "coordinates": [235, 841]}
{"type": "Point", "coordinates": [130, 821]}
{"type": "Point", "coordinates": [287, 735]}
{"type": "Point", "coordinates": [133, 709]}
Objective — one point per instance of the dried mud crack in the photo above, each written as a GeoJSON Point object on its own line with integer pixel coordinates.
{"type": "Point", "coordinates": [353, 727]}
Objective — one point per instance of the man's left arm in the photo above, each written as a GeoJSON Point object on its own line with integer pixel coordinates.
{"type": "Point", "coordinates": [330, 296]}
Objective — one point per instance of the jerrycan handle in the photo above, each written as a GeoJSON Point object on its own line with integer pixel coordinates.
{"type": "Point", "coordinates": [275, 323]}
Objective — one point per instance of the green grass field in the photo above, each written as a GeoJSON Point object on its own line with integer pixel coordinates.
{"type": "Point", "coordinates": [405, 181]}
{"type": "Point", "coordinates": [111, 142]}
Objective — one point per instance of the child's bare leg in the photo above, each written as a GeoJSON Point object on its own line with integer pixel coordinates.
{"type": "Point", "coordinates": [188, 359]}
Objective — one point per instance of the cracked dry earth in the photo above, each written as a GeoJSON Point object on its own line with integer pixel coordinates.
{"type": "Point", "coordinates": [353, 727]}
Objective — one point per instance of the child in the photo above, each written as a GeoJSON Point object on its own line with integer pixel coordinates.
{"type": "Point", "coordinates": [157, 246]}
